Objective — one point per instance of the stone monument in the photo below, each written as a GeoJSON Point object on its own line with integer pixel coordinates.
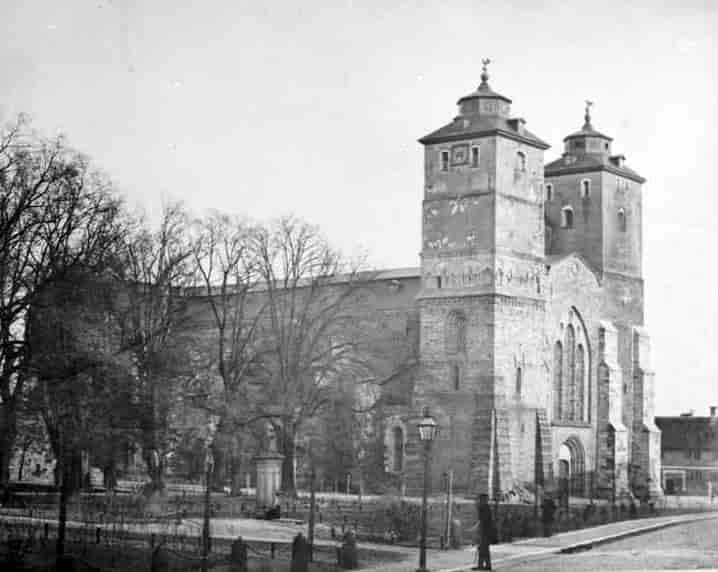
{"type": "Point", "coordinates": [269, 470]}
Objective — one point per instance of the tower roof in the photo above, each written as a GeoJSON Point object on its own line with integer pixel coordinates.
{"type": "Point", "coordinates": [587, 130]}
{"type": "Point", "coordinates": [484, 112]}
{"type": "Point", "coordinates": [589, 150]}
{"type": "Point", "coordinates": [484, 91]}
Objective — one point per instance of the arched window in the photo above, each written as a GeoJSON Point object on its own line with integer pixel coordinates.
{"type": "Point", "coordinates": [580, 382]}
{"type": "Point", "coordinates": [549, 191]}
{"type": "Point", "coordinates": [455, 333]}
{"type": "Point", "coordinates": [557, 380]}
{"type": "Point", "coordinates": [475, 157]}
{"type": "Point", "coordinates": [567, 217]}
{"type": "Point", "coordinates": [519, 380]}
{"type": "Point", "coordinates": [570, 375]}
{"type": "Point", "coordinates": [622, 219]}
{"type": "Point", "coordinates": [398, 453]}
{"type": "Point", "coordinates": [520, 161]}
{"type": "Point", "coordinates": [585, 188]}
{"type": "Point", "coordinates": [455, 377]}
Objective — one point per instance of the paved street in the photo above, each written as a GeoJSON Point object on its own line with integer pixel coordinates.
{"type": "Point", "coordinates": [687, 546]}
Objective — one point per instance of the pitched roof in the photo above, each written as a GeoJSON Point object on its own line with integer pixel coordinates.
{"type": "Point", "coordinates": [687, 431]}
{"type": "Point", "coordinates": [569, 164]}
{"type": "Point", "coordinates": [480, 125]}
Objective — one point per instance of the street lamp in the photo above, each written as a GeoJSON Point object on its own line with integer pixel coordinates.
{"type": "Point", "coordinates": [427, 432]}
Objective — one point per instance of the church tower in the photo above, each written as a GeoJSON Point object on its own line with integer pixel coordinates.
{"type": "Point", "coordinates": [593, 206]}
{"type": "Point", "coordinates": [482, 264]}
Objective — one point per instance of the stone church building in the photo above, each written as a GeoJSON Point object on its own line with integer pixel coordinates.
{"type": "Point", "coordinates": [532, 354]}
{"type": "Point", "coordinates": [524, 319]}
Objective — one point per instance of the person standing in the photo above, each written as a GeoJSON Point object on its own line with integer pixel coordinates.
{"type": "Point", "coordinates": [548, 508]}
{"type": "Point", "coordinates": [484, 534]}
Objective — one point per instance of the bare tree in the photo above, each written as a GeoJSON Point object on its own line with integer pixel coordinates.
{"type": "Point", "coordinates": [155, 266]}
{"type": "Point", "coordinates": [227, 270]}
{"type": "Point", "coordinates": [310, 336]}
{"type": "Point", "coordinates": [56, 214]}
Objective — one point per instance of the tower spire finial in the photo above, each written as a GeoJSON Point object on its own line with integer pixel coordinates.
{"type": "Point", "coordinates": [587, 115]}
{"type": "Point", "coordinates": [484, 73]}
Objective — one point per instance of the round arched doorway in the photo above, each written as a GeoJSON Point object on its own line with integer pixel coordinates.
{"type": "Point", "coordinates": [571, 469]}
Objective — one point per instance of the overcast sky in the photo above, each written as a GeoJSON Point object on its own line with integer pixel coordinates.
{"type": "Point", "coordinates": [314, 108]}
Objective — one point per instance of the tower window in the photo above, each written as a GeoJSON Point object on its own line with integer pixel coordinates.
{"type": "Point", "coordinates": [455, 377]}
{"type": "Point", "coordinates": [549, 192]}
{"type": "Point", "coordinates": [622, 220]}
{"type": "Point", "coordinates": [520, 161]}
{"type": "Point", "coordinates": [444, 160]}
{"type": "Point", "coordinates": [567, 217]}
{"type": "Point", "coordinates": [475, 157]}
{"type": "Point", "coordinates": [585, 188]}
{"type": "Point", "coordinates": [519, 380]}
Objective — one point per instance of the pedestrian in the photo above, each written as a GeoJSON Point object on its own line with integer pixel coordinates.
{"type": "Point", "coordinates": [485, 532]}
{"type": "Point", "coordinates": [548, 508]}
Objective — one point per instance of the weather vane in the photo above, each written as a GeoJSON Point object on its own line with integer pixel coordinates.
{"type": "Point", "coordinates": [587, 116]}
{"type": "Point", "coordinates": [484, 71]}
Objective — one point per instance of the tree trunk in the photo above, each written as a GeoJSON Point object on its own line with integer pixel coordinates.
{"type": "Point", "coordinates": [155, 470]}
{"type": "Point", "coordinates": [219, 472]}
{"type": "Point", "coordinates": [8, 432]}
{"type": "Point", "coordinates": [22, 463]}
{"type": "Point", "coordinates": [287, 449]}
{"type": "Point", "coordinates": [62, 517]}
{"type": "Point", "coordinates": [236, 472]}
{"type": "Point", "coordinates": [109, 476]}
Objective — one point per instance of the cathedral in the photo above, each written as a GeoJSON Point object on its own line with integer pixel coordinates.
{"type": "Point", "coordinates": [532, 355]}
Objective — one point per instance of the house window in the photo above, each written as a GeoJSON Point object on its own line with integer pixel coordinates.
{"type": "Point", "coordinates": [455, 377]}
{"type": "Point", "coordinates": [549, 192]}
{"type": "Point", "coordinates": [444, 160]}
{"type": "Point", "coordinates": [567, 217]}
{"type": "Point", "coordinates": [585, 188]}
{"type": "Point", "coordinates": [475, 157]}
{"type": "Point", "coordinates": [622, 219]}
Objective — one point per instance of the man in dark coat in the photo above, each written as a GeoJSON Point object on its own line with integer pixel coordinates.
{"type": "Point", "coordinates": [485, 533]}
{"type": "Point", "coordinates": [548, 508]}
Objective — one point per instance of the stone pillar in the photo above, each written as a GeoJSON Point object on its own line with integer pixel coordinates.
{"type": "Point", "coordinates": [612, 434]}
{"type": "Point", "coordinates": [269, 478]}
{"type": "Point", "coordinates": [646, 442]}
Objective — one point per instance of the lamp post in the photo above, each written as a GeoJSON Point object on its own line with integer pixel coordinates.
{"type": "Point", "coordinates": [427, 432]}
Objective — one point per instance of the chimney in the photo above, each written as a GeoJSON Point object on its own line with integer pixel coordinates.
{"type": "Point", "coordinates": [712, 410]}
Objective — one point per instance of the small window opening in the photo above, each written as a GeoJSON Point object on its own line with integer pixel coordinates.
{"type": "Point", "coordinates": [438, 282]}
{"type": "Point", "coordinates": [549, 192]}
{"type": "Point", "coordinates": [567, 217]}
{"type": "Point", "coordinates": [622, 220]}
{"type": "Point", "coordinates": [605, 146]}
{"type": "Point", "coordinates": [585, 189]}
{"type": "Point", "coordinates": [520, 161]}
{"type": "Point", "coordinates": [475, 157]}
{"type": "Point", "coordinates": [398, 463]}
{"type": "Point", "coordinates": [519, 380]}
{"type": "Point", "coordinates": [455, 377]}
{"type": "Point", "coordinates": [444, 160]}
